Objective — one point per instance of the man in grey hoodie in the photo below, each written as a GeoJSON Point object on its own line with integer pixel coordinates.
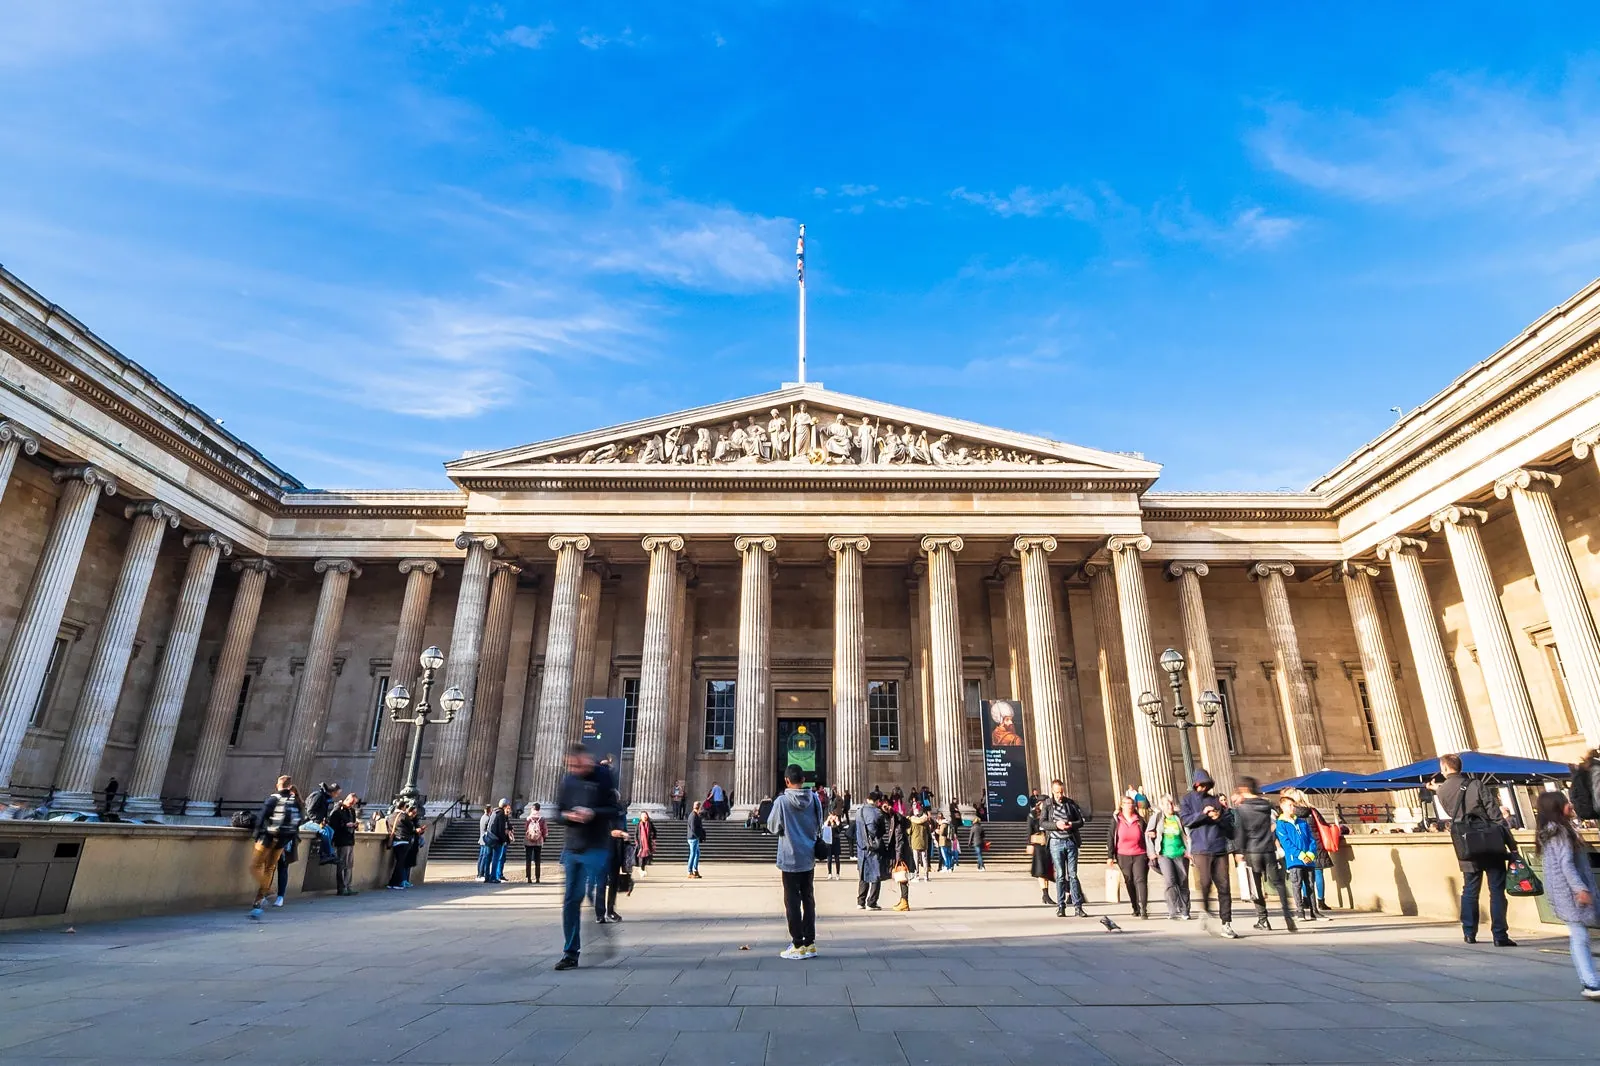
{"type": "Point", "coordinates": [796, 818]}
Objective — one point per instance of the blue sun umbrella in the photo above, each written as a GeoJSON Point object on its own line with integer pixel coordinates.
{"type": "Point", "coordinates": [1327, 782]}
{"type": "Point", "coordinates": [1503, 769]}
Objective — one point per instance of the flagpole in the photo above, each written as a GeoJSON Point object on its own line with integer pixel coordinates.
{"type": "Point", "coordinates": [800, 273]}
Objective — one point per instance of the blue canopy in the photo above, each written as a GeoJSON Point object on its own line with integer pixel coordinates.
{"type": "Point", "coordinates": [1506, 769]}
{"type": "Point", "coordinates": [1326, 780]}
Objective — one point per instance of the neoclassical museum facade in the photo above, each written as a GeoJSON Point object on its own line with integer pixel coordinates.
{"type": "Point", "coordinates": [181, 614]}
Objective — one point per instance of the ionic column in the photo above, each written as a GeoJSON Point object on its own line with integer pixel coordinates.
{"type": "Point", "coordinates": [1155, 765]}
{"type": "Point", "coordinates": [589, 594]}
{"type": "Point", "coordinates": [1202, 667]}
{"type": "Point", "coordinates": [205, 776]}
{"type": "Point", "coordinates": [650, 787]}
{"type": "Point", "coordinates": [1564, 599]}
{"type": "Point", "coordinates": [1010, 573]}
{"type": "Point", "coordinates": [309, 719]}
{"type": "Point", "coordinates": [1502, 673]}
{"type": "Point", "coordinates": [461, 669]}
{"type": "Point", "coordinates": [851, 742]}
{"type": "Point", "coordinates": [1449, 728]}
{"type": "Point", "coordinates": [752, 693]}
{"type": "Point", "coordinates": [1294, 687]}
{"type": "Point", "coordinates": [172, 675]}
{"type": "Point", "coordinates": [28, 656]}
{"type": "Point", "coordinates": [14, 441]}
{"type": "Point", "coordinates": [555, 688]}
{"type": "Point", "coordinates": [483, 736]}
{"type": "Point", "coordinates": [1394, 743]}
{"type": "Point", "coordinates": [1044, 656]}
{"type": "Point", "coordinates": [404, 665]}
{"type": "Point", "coordinates": [944, 645]}
{"type": "Point", "coordinates": [1111, 668]}
{"type": "Point", "coordinates": [102, 688]}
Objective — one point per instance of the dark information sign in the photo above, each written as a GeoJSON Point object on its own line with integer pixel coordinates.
{"type": "Point", "coordinates": [602, 732]}
{"type": "Point", "coordinates": [1005, 761]}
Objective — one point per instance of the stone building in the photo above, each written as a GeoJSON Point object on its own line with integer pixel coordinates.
{"type": "Point", "coordinates": [182, 615]}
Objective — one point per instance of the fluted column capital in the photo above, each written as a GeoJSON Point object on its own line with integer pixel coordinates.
{"type": "Point", "coordinates": [222, 544]}
{"type": "Point", "coordinates": [1351, 568]}
{"type": "Point", "coordinates": [12, 431]}
{"type": "Point", "coordinates": [505, 566]}
{"type": "Point", "coordinates": [1586, 442]}
{"type": "Point", "coordinates": [559, 541]}
{"type": "Point", "coordinates": [1178, 568]}
{"type": "Point", "coordinates": [256, 564]}
{"type": "Point", "coordinates": [1402, 546]}
{"type": "Point", "coordinates": [1266, 568]}
{"type": "Point", "coordinates": [1093, 568]}
{"type": "Point", "coordinates": [427, 566]}
{"type": "Point", "coordinates": [747, 543]}
{"type": "Point", "coordinates": [670, 541]}
{"type": "Point", "coordinates": [488, 542]}
{"type": "Point", "coordinates": [1457, 514]}
{"type": "Point", "coordinates": [1023, 544]}
{"type": "Point", "coordinates": [1527, 479]}
{"type": "Point", "coordinates": [932, 543]}
{"type": "Point", "coordinates": [338, 566]}
{"type": "Point", "coordinates": [839, 544]}
{"type": "Point", "coordinates": [1138, 542]}
{"type": "Point", "coordinates": [152, 509]}
{"type": "Point", "coordinates": [92, 476]}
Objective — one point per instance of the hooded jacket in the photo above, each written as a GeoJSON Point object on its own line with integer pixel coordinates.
{"type": "Point", "coordinates": [1206, 836]}
{"type": "Point", "coordinates": [1255, 830]}
{"type": "Point", "coordinates": [1297, 839]}
{"type": "Point", "coordinates": [797, 820]}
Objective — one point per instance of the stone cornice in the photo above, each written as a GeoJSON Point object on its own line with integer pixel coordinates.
{"type": "Point", "coordinates": [1234, 507]}
{"type": "Point", "coordinates": [755, 479]}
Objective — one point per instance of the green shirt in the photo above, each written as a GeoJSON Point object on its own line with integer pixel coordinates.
{"type": "Point", "coordinates": [1171, 837]}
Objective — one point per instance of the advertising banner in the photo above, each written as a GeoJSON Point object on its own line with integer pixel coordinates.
{"type": "Point", "coordinates": [1005, 761]}
{"type": "Point", "coordinates": [602, 732]}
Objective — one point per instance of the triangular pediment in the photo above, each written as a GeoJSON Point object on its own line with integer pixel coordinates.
{"type": "Point", "coordinates": [799, 428]}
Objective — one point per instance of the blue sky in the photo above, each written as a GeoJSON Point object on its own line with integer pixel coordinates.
{"type": "Point", "coordinates": [372, 236]}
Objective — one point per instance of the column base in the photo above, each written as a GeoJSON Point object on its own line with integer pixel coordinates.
{"type": "Point", "coordinates": [657, 811]}
{"type": "Point", "coordinates": [200, 809]}
{"type": "Point", "coordinates": [74, 801]}
{"type": "Point", "coordinates": [143, 805]}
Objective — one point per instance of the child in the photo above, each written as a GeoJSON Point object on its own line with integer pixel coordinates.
{"type": "Point", "coordinates": [1299, 843]}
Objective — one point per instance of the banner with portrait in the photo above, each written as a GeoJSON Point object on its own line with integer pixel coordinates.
{"type": "Point", "coordinates": [1005, 761]}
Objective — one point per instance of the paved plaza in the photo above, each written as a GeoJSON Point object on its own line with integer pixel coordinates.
{"type": "Point", "coordinates": [978, 972]}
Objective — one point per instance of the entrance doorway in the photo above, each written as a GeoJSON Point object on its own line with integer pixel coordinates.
{"type": "Point", "coordinates": [803, 742]}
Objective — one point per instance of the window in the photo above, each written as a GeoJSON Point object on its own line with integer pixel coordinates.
{"type": "Point", "coordinates": [972, 698]}
{"type": "Point", "coordinates": [1366, 713]}
{"type": "Point", "coordinates": [1229, 730]}
{"type": "Point", "coordinates": [883, 716]}
{"type": "Point", "coordinates": [238, 710]}
{"type": "Point", "coordinates": [377, 711]}
{"type": "Point", "coordinates": [52, 677]}
{"type": "Point", "coordinates": [1566, 724]}
{"type": "Point", "coordinates": [630, 712]}
{"type": "Point", "coordinates": [719, 716]}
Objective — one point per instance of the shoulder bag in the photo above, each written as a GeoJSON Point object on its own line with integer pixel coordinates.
{"type": "Point", "coordinates": [1475, 837]}
{"type": "Point", "coordinates": [1521, 880]}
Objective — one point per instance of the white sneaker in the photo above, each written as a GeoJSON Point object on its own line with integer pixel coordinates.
{"type": "Point", "coordinates": [1227, 931]}
{"type": "Point", "coordinates": [809, 951]}
{"type": "Point", "coordinates": [792, 952]}
{"type": "Point", "coordinates": [1590, 993]}
{"type": "Point", "coordinates": [278, 902]}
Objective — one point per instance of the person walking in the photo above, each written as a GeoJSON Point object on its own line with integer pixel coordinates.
{"type": "Point", "coordinates": [1467, 801]}
{"type": "Point", "coordinates": [696, 832]}
{"type": "Point", "coordinates": [290, 854]}
{"type": "Point", "coordinates": [1168, 847]}
{"type": "Point", "coordinates": [587, 801]}
{"type": "Point", "coordinates": [797, 820]}
{"type": "Point", "coordinates": [621, 862]}
{"type": "Point", "coordinates": [535, 830]}
{"type": "Point", "coordinates": [921, 839]}
{"type": "Point", "coordinates": [975, 837]}
{"type": "Point", "coordinates": [402, 838]}
{"type": "Point", "coordinates": [277, 822]}
{"type": "Point", "coordinates": [344, 820]}
{"type": "Point", "coordinates": [1129, 851]}
{"type": "Point", "coordinates": [902, 858]}
{"type": "Point", "coordinates": [1298, 841]}
{"type": "Point", "coordinates": [874, 835]}
{"type": "Point", "coordinates": [1569, 881]}
{"type": "Point", "coordinates": [1039, 850]}
{"type": "Point", "coordinates": [1063, 823]}
{"type": "Point", "coordinates": [719, 801]}
{"type": "Point", "coordinates": [1210, 824]}
{"type": "Point", "coordinates": [944, 837]}
{"type": "Point", "coordinates": [645, 847]}
{"type": "Point", "coordinates": [1256, 833]}
{"type": "Point", "coordinates": [679, 795]}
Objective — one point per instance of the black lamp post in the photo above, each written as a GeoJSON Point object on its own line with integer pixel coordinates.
{"type": "Point", "coordinates": [399, 700]}
{"type": "Point", "coordinates": [1210, 704]}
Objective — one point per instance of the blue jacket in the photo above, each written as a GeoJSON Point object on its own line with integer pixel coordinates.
{"type": "Point", "coordinates": [1206, 837]}
{"type": "Point", "coordinates": [1296, 836]}
{"type": "Point", "coordinates": [797, 819]}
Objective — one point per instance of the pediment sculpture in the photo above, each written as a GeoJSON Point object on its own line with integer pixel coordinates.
{"type": "Point", "coordinates": [802, 437]}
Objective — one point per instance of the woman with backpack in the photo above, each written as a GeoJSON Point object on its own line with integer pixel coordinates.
{"type": "Point", "coordinates": [1568, 882]}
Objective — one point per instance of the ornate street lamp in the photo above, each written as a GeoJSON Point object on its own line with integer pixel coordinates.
{"type": "Point", "coordinates": [398, 700]}
{"type": "Point", "coordinates": [1210, 704]}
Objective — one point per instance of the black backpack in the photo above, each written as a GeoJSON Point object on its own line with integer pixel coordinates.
{"type": "Point", "coordinates": [243, 820]}
{"type": "Point", "coordinates": [1582, 794]}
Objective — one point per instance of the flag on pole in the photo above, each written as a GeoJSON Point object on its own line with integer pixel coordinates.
{"type": "Point", "coordinates": [800, 255]}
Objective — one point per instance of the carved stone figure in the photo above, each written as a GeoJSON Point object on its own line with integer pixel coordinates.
{"type": "Point", "coordinates": [941, 453]}
{"type": "Point", "coordinates": [757, 448]}
{"type": "Point", "coordinates": [606, 453]}
{"type": "Point", "coordinates": [919, 448]}
{"type": "Point", "coordinates": [837, 443]}
{"type": "Point", "coordinates": [889, 448]}
{"type": "Point", "coordinates": [908, 442]}
{"type": "Point", "coordinates": [650, 449]}
{"type": "Point", "coordinates": [803, 433]}
{"type": "Point", "coordinates": [730, 446]}
{"type": "Point", "coordinates": [702, 447]}
{"type": "Point", "coordinates": [866, 442]}
{"type": "Point", "coordinates": [778, 433]}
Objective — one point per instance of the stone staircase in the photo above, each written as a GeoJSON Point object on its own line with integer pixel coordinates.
{"type": "Point", "coordinates": [731, 842]}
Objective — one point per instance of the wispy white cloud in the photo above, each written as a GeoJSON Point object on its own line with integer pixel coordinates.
{"type": "Point", "coordinates": [1244, 229]}
{"type": "Point", "coordinates": [1458, 140]}
{"type": "Point", "coordinates": [1027, 202]}
{"type": "Point", "coordinates": [524, 36]}
{"type": "Point", "coordinates": [854, 198]}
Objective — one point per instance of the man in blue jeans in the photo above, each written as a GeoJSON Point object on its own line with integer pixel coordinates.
{"type": "Point", "coordinates": [697, 833]}
{"type": "Point", "coordinates": [1063, 821]}
{"type": "Point", "coordinates": [587, 801]}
